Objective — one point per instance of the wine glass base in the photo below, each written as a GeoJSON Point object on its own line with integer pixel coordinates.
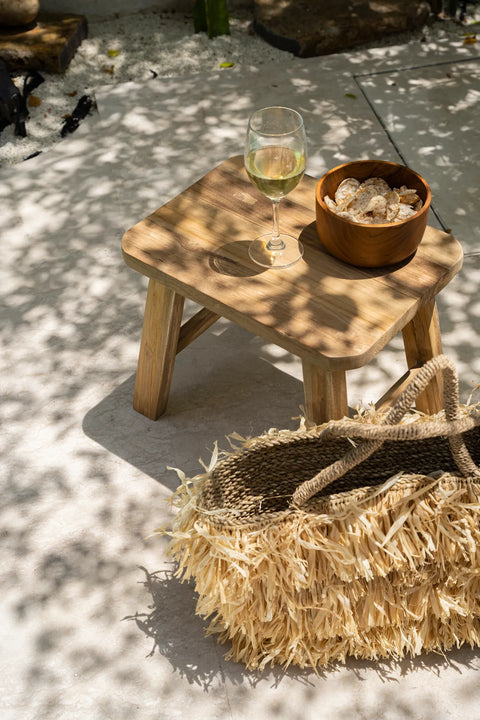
{"type": "Point", "coordinates": [289, 255]}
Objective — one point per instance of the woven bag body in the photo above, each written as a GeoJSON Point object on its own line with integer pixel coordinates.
{"type": "Point", "coordinates": [349, 539]}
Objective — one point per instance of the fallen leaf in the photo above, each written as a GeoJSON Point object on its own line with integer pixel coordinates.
{"type": "Point", "coordinates": [72, 94]}
{"type": "Point", "coordinates": [113, 53]}
{"type": "Point", "coordinates": [470, 40]}
{"type": "Point", "coordinates": [107, 69]}
{"type": "Point", "coordinates": [351, 95]}
{"type": "Point", "coordinates": [226, 64]}
{"type": "Point", "coordinates": [34, 101]}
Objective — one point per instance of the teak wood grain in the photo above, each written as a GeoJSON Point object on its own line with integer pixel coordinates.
{"type": "Point", "coordinates": [333, 314]}
{"type": "Point", "coordinates": [371, 244]}
{"type": "Point", "coordinates": [161, 329]}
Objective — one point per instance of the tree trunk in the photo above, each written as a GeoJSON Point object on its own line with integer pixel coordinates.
{"type": "Point", "coordinates": [211, 16]}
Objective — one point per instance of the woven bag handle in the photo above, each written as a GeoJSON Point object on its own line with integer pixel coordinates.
{"type": "Point", "coordinates": [374, 435]}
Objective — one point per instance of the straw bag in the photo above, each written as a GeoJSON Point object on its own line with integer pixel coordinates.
{"type": "Point", "coordinates": [349, 539]}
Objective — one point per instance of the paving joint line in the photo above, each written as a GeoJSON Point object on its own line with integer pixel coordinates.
{"type": "Point", "coordinates": [357, 76]}
{"type": "Point", "coordinates": [416, 67]}
{"type": "Point", "coordinates": [443, 225]}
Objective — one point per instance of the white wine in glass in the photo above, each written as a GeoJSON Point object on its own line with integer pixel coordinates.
{"type": "Point", "coordinates": [275, 158]}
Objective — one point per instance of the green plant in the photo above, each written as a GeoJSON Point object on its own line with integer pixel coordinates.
{"type": "Point", "coordinates": [211, 16]}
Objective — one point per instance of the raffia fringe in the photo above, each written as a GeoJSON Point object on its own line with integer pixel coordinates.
{"type": "Point", "coordinates": [393, 571]}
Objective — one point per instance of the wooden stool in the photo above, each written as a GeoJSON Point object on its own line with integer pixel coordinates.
{"type": "Point", "coordinates": [335, 317]}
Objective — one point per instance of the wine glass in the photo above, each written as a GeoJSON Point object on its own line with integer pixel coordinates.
{"type": "Point", "coordinates": [275, 158]}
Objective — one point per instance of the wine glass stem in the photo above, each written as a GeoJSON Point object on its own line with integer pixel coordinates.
{"type": "Point", "coordinates": [275, 244]}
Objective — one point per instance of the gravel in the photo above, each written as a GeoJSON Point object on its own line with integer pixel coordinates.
{"type": "Point", "coordinates": [140, 47]}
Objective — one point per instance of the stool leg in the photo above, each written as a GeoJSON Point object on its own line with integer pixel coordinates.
{"type": "Point", "coordinates": [423, 341]}
{"type": "Point", "coordinates": [325, 393]}
{"type": "Point", "coordinates": [158, 348]}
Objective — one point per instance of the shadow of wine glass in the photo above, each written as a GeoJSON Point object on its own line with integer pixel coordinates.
{"type": "Point", "coordinates": [233, 259]}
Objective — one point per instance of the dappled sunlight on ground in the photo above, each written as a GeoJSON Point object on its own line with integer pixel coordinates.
{"type": "Point", "coordinates": [93, 623]}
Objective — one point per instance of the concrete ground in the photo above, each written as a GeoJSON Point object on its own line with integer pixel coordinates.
{"type": "Point", "coordinates": [92, 623]}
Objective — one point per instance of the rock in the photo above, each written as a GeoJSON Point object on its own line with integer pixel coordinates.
{"type": "Point", "coordinates": [308, 28]}
{"type": "Point", "coordinates": [18, 12]}
{"type": "Point", "coordinates": [48, 46]}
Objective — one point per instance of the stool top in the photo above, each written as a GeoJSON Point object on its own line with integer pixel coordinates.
{"type": "Point", "coordinates": [321, 309]}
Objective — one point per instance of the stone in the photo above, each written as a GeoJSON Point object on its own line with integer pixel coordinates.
{"type": "Point", "coordinates": [47, 46]}
{"type": "Point", "coordinates": [308, 28]}
{"type": "Point", "coordinates": [18, 12]}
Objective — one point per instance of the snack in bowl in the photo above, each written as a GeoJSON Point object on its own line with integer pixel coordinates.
{"type": "Point", "coordinates": [373, 201]}
{"type": "Point", "coordinates": [371, 213]}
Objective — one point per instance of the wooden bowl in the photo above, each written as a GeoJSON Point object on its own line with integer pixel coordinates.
{"type": "Point", "coordinates": [371, 245]}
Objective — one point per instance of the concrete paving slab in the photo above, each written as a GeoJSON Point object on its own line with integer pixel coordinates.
{"type": "Point", "coordinates": [427, 111]}
{"type": "Point", "coordinates": [164, 150]}
{"type": "Point", "coordinates": [68, 186]}
{"type": "Point", "coordinates": [459, 313]}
